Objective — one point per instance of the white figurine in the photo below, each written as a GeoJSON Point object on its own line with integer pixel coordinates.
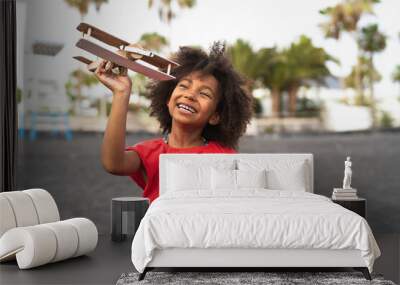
{"type": "Point", "coordinates": [347, 174]}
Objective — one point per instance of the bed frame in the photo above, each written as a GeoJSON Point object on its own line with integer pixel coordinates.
{"type": "Point", "coordinates": [246, 258]}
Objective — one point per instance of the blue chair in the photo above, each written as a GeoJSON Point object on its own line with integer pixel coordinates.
{"type": "Point", "coordinates": [55, 120]}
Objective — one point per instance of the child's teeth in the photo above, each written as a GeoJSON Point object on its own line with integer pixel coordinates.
{"type": "Point", "coordinates": [186, 108]}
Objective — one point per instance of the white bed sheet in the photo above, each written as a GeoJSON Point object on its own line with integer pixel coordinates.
{"type": "Point", "coordinates": [252, 218]}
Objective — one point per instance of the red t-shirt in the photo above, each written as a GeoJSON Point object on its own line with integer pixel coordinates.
{"type": "Point", "coordinates": [149, 152]}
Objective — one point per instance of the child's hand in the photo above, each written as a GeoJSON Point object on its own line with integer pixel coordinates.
{"type": "Point", "coordinates": [118, 84]}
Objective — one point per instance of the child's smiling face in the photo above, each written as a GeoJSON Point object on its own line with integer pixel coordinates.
{"type": "Point", "coordinates": [194, 100]}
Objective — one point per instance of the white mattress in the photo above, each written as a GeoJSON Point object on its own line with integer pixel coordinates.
{"type": "Point", "coordinates": [255, 218]}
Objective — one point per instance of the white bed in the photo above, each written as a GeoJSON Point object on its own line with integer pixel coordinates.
{"type": "Point", "coordinates": [263, 219]}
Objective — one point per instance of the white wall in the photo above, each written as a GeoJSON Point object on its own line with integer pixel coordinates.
{"type": "Point", "coordinates": [340, 117]}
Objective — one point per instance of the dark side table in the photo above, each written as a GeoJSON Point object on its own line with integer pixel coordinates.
{"type": "Point", "coordinates": [126, 214]}
{"type": "Point", "coordinates": [358, 205]}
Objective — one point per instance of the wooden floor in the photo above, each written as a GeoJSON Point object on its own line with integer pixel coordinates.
{"type": "Point", "coordinates": [110, 259]}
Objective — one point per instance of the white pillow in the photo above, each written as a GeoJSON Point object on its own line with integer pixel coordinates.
{"type": "Point", "coordinates": [223, 179]}
{"type": "Point", "coordinates": [293, 179]}
{"type": "Point", "coordinates": [182, 177]}
{"type": "Point", "coordinates": [227, 179]}
{"type": "Point", "coordinates": [251, 178]}
{"type": "Point", "coordinates": [184, 174]}
{"type": "Point", "coordinates": [282, 174]}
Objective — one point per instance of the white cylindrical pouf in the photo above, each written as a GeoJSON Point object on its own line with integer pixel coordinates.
{"type": "Point", "coordinates": [67, 239]}
{"type": "Point", "coordinates": [45, 205]}
{"type": "Point", "coordinates": [37, 245]}
{"type": "Point", "coordinates": [7, 218]}
{"type": "Point", "coordinates": [87, 234]}
{"type": "Point", "coordinates": [23, 208]}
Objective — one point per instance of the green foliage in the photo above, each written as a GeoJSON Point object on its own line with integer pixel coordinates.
{"type": "Point", "coordinates": [108, 108]}
{"type": "Point", "coordinates": [386, 120]}
{"type": "Point", "coordinates": [19, 95]}
{"type": "Point", "coordinates": [362, 100]}
{"type": "Point", "coordinates": [243, 58]}
{"type": "Point", "coordinates": [266, 59]}
{"type": "Point", "coordinates": [83, 78]}
{"type": "Point", "coordinates": [396, 74]}
{"type": "Point", "coordinates": [371, 39]}
{"type": "Point", "coordinates": [367, 74]}
{"type": "Point", "coordinates": [257, 106]}
{"type": "Point", "coordinates": [153, 41]}
{"type": "Point", "coordinates": [139, 83]}
{"type": "Point", "coordinates": [269, 130]}
{"type": "Point", "coordinates": [69, 90]}
{"type": "Point", "coordinates": [83, 5]}
{"type": "Point", "coordinates": [307, 108]}
{"type": "Point", "coordinates": [165, 12]}
{"type": "Point", "coordinates": [78, 79]}
{"type": "Point", "coordinates": [292, 67]}
{"type": "Point", "coordinates": [281, 70]}
{"type": "Point", "coordinates": [304, 62]}
{"type": "Point", "coordinates": [271, 68]}
{"type": "Point", "coordinates": [134, 108]}
{"type": "Point", "coordinates": [131, 107]}
{"type": "Point", "coordinates": [345, 16]}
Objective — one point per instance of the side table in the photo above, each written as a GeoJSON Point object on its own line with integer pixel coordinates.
{"type": "Point", "coordinates": [126, 214]}
{"type": "Point", "coordinates": [357, 205]}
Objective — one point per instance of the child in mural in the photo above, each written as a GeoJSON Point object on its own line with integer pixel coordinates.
{"type": "Point", "coordinates": [204, 110]}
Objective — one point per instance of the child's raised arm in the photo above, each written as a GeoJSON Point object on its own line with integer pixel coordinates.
{"type": "Point", "coordinates": [113, 155]}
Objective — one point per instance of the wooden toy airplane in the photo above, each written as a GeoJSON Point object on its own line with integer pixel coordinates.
{"type": "Point", "coordinates": [127, 55]}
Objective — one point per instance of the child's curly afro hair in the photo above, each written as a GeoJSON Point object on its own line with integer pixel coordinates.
{"type": "Point", "coordinates": [235, 107]}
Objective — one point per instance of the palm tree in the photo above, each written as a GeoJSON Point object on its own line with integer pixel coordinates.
{"type": "Point", "coordinates": [272, 72]}
{"type": "Point", "coordinates": [165, 12]}
{"type": "Point", "coordinates": [265, 66]}
{"type": "Point", "coordinates": [304, 63]}
{"type": "Point", "coordinates": [371, 41]}
{"type": "Point", "coordinates": [244, 60]}
{"type": "Point", "coordinates": [344, 17]}
{"type": "Point", "coordinates": [367, 74]}
{"type": "Point", "coordinates": [289, 69]}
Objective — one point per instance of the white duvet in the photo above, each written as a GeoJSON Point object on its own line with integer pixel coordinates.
{"type": "Point", "coordinates": [250, 219]}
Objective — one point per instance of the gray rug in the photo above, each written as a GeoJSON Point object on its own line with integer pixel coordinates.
{"type": "Point", "coordinates": [230, 278]}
